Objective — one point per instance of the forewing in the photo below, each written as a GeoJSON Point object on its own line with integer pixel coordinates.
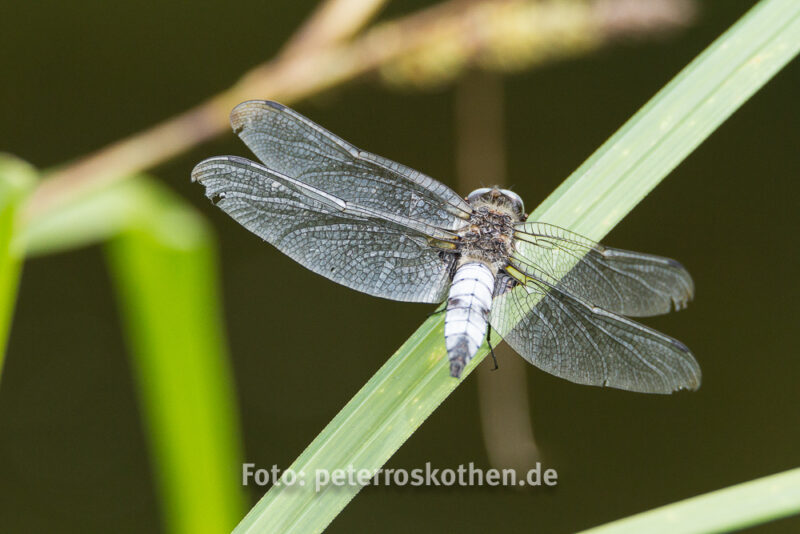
{"type": "Point", "coordinates": [588, 345]}
{"type": "Point", "coordinates": [620, 281]}
{"type": "Point", "coordinates": [348, 246]}
{"type": "Point", "coordinates": [295, 146]}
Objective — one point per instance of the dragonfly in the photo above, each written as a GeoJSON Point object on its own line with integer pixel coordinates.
{"type": "Point", "coordinates": [560, 300]}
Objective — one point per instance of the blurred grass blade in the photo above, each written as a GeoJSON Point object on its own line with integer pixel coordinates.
{"type": "Point", "coordinates": [392, 405]}
{"type": "Point", "coordinates": [16, 179]}
{"type": "Point", "coordinates": [88, 219]}
{"type": "Point", "coordinates": [750, 503]}
{"type": "Point", "coordinates": [164, 270]}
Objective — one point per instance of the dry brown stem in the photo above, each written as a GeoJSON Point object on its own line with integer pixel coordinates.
{"type": "Point", "coordinates": [314, 60]}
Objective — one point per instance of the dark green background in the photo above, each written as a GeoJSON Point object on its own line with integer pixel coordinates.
{"type": "Point", "coordinates": [72, 453]}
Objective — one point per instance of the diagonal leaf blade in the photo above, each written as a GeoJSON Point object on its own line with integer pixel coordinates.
{"type": "Point", "coordinates": [675, 121]}
{"type": "Point", "coordinates": [743, 505]}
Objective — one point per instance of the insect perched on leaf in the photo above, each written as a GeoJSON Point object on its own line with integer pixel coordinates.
{"type": "Point", "coordinates": [376, 226]}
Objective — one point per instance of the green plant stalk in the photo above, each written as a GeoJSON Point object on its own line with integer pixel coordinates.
{"type": "Point", "coordinates": [91, 218]}
{"type": "Point", "coordinates": [16, 180]}
{"type": "Point", "coordinates": [735, 507]}
{"type": "Point", "coordinates": [164, 271]}
{"type": "Point", "coordinates": [414, 381]}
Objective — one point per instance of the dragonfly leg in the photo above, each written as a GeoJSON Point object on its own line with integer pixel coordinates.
{"type": "Point", "coordinates": [442, 309]}
{"type": "Point", "coordinates": [491, 348]}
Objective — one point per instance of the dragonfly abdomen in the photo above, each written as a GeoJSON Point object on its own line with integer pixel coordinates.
{"type": "Point", "coordinates": [467, 319]}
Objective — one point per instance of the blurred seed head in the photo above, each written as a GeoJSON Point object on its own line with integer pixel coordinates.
{"type": "Point", "coordinates": [514, 35]}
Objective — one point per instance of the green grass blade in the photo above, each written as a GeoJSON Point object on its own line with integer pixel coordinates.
{"type": "Point", "coordinates": [392, 405]}
{"type": "Point", "coordinates": [16, 179]}
{"type": "Point", "coordinates": [164, 270]}
{"type": "Point", "coordinates": [373, 425]}
{"type": "Point", "coordinates": [675, 121]}
{"type": "Point", "coordinates": [750, 503]}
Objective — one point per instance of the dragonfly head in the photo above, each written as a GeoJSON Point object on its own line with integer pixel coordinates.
{"type": "Point", "coordinates": [504, 198]}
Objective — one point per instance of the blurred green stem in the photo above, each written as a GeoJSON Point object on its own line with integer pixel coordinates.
{"type": "Point", "coordinates": [16, 180]}
{"type": "Point", "coordinates": [164, 269]}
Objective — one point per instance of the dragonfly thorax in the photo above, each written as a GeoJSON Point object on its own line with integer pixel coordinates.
{"type": "Point", "coordinates": [489, 236]}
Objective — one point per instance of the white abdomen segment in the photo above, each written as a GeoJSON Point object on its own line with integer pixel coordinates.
{"type": "Point", "coordinates": [467, 318]}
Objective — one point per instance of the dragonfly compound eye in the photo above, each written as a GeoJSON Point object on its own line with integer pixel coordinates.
{"type": "Point", "coordinates": [514, 201]}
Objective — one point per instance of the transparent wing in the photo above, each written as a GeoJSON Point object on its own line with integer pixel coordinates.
{"type": "Point", "coordinates": [381, 254]}
{"type": "Point", "coordinates": [293, 145]}
{"type": "Point", "coordinates": [620, 281]}
{"type": "Point", "coordinates": [571, 339]}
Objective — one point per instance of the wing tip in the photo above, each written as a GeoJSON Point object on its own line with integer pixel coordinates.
{"type": "Point", "coordinates": [689, 378]}
{"type": "Point", "coordinates": [691, 385]}
{"type": "Point", "coordinates": [694, 376]}
{"type": "Point", "coordinates": [676, 264]}
{"type": "Point", "coordinates": [680, 346]}
{"type": "Point", "coordinates": [238, 117]}
{"type": "Point", "coordinates": [201, 170]}
{"type": "Point", "coordinates": [275, 105]}
{"type": "Point", "coordinates": [688, 294]}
